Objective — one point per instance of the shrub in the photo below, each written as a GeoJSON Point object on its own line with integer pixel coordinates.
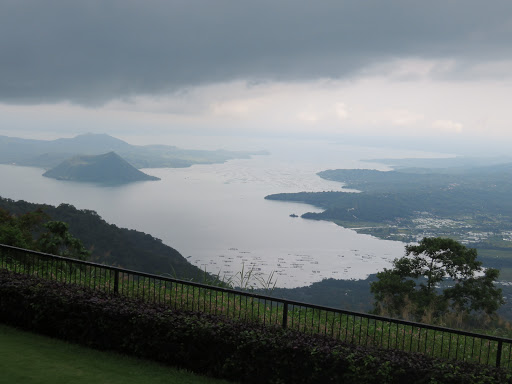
{"type": "Point", "coordinates": [220, 347]}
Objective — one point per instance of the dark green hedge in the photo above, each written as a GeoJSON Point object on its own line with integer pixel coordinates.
{"type": "Point", "coordinates": [212, 345]}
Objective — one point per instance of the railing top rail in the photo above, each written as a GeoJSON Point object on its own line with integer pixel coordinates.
{"type": "Point", "coordinates": [265, 297]}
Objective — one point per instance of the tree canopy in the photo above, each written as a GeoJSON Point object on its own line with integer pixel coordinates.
{"type": "Point", "coordinates": [437, 276]}
{"type": "Point", "coordinates": [34, 230]}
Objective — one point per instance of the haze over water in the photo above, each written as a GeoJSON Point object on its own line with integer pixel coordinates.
{"type": "Point", "coordinates": [216, 215]}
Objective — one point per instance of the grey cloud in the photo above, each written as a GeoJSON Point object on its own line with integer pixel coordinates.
{"type": "Point", "coordinates": [93, 51]}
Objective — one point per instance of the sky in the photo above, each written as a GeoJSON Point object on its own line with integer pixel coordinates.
{"type": "Point", "coordinates": [435, 72]}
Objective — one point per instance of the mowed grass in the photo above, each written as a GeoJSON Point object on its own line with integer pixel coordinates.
{"type": "Point", "coordinates": [30, 358]}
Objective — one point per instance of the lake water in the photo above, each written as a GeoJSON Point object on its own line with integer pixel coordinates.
{"type": "Point", "coordinates": [216, 215]}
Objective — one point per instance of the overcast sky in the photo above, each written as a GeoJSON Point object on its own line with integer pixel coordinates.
{"type": "Point", "coordinates": [417, 69]}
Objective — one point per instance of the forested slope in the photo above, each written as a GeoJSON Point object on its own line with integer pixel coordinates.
{"type": "Point", "coordinates": [112, 245]}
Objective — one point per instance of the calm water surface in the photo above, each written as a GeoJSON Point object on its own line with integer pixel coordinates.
{"type": "Point", "coordinates": [216, 215]}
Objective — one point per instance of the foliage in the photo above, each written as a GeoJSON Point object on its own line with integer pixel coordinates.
{"type": "Point", "coordinates": [436, 276]}
{"type": "Point", "coordinates": [244, 352]}
{"type": "Point", "coordinates": [110, 244]}
{"type": "Point", "coordinates": [58, 241]}
{"type": "Point", "coordinates": [32, 230]}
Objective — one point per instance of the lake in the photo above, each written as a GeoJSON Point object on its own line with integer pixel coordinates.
{"type": "Point", "coordinates": [216, 215]}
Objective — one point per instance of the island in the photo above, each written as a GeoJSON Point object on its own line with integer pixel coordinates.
{"type": "Point", "coordinates": [108, 168]}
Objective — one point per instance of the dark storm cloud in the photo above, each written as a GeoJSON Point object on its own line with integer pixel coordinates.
{"type": "Point", "coordinates": [92, 51]}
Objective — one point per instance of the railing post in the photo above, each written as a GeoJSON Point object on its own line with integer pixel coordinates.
{"type": "Point", "coordinates": [498, 353]}
{"type": "Point", "coordinates": [285, 315]}
{"type": "Point", "coordinates": [116, 282]}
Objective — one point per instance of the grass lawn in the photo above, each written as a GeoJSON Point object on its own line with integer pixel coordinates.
{"type": "Point", "coordinates": [30, 358]}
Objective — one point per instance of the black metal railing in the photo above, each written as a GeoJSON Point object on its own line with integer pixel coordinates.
{"type": "Point", "coordinates": [352, 327]}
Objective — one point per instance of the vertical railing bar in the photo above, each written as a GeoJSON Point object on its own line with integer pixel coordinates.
{"type": "Point", "coordinates": [312, 320]}
{"type": "Point", "coordinates": [333, 322]}
{"type": "Point", "coordinates": [353, 328]}
{"type": "Point", "coordinates": [403, 335]}
{"type": "Point", "coordinates": [450, 345]}
{"type": "Point", "coordinates": [319, 321]}
{"type": "Point", "coordinates": [367, 330]}
{"type": "Point", "coordinates": [193, 296]}
{"type": "Point", "coordinates": [396, 336]}
{"type": "Point", "coordinates": [138, 286]}
{"type": "Point", "coordinates": [381, 333]}
{"type": "Point", "coordinates": [246, 308]}
{"type": "Point", "coordinates": [457, 347]}
{"type": "Point", "coordinates": [305, 319]}
{"type": "Point", "coordinates": [172, 294]}
{"type": "Point", "coordinates": [116, 281]}
{"type": "Point", "coordinates": [252, 301]}
{"type": "Point", "coordinates": [154, 289]}
{"type": "Point", "coordinates": [346, 328]}
{"type": "Point", "coordinates": [264, 311]}
{"type": "Point", "coordinates": [285, 315]}
{"type": "Point", "coordinates": [205, 292]}
{"type": "Point", "coordinates": [211, 300]}
{"type": "Point", "coordinates": [426, 340]}
{"type": "Point", "coordinates": [340, 328]}
{"type": "Point", "coordinates": [240, 309]}
{"type": "Point", "coordinates": [360, 329]}
{"type": "Point", "coordinates": [464, 349]}
{"type": "Point", "coordinates": [442, 343]}
{"type": "Point", "coordinates": [374, 338]}
{"type": "Point", "coordinates": [227, 311]}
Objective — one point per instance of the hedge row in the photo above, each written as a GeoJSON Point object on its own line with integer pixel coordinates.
{"type": "Point", "coordinates": [211, 345]}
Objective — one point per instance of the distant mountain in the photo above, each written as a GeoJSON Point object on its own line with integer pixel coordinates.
{"type": "Point", "coordinates": [49, 153]}
{"type": "Point", "coordinates": [108, 168]}
{"type": "Point", "coordinates": [447, 165]}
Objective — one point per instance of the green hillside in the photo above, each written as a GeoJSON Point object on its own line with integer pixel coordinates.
{"type": "Point", "coordinates": [112, 245]}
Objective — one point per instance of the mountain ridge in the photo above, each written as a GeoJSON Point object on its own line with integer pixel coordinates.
{"type": "Point", "coordinates": [49, 153]}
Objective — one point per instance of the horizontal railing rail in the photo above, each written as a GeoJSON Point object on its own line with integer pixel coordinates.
{"type": "Point", "coordinates": [349, 326]}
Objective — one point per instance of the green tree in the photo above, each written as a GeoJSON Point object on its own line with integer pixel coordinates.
{"type": "Point", "coordinates": [19, 230]}
{"type": "Point", "coordinates": [437, 276]}
{"type": "Point", "coordinates": [33, 231]}
{"type": "Point", "coordinates": [58, 241]}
